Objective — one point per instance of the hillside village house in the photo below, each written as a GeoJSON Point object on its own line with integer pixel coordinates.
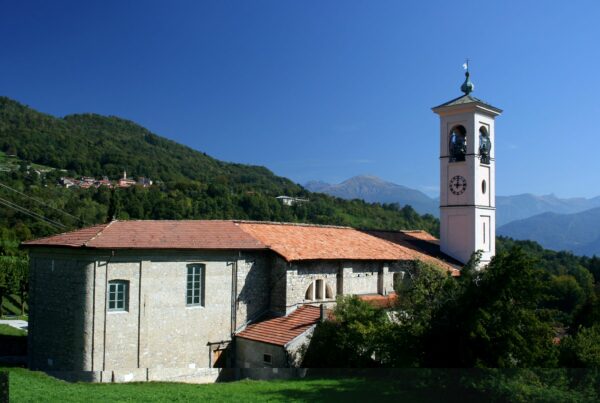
{"type": "Point", "coordinates": [172, 300]}
{"type": "Point", "coordinates": [164, 300]}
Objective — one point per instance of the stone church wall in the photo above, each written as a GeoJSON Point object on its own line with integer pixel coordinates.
{"type": "Point", "coordinates": [71, 330]}
{"type": "Point", "coordinates": [252, 288]}
{"type": "Point", "coordinates": [279, 277]}
{"type": "Point", "coordinates": [301, 275]}
{"type": "Point", "coordinates": [60, 312]}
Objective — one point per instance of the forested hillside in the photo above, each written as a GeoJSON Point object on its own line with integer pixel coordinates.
{"type": "Point", "coordinates": [188, 183]}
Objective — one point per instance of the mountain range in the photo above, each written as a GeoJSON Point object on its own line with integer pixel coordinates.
{"type": "Point", "coordinates": [508, 208]}
{"type": "Point", "coordinates": [556, 223]}
{"type": "Point", "coordinates": [375, 190]}
{"type": "Point", "coordinates": [518, 207]}
{"type": "Point", "coordinates": [578, 232]}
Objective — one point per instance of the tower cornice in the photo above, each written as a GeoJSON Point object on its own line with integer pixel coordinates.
{"type": "Point", "coordinates": [466, 103]}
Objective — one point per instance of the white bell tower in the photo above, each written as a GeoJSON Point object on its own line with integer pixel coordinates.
{"type": "Point", "coordinates": [467, 176]}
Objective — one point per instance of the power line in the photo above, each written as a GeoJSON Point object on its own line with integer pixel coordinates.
{"type": "Point", "coordinates": [30, 213]}
{"type": "Point", "coordinates": [41, 202]}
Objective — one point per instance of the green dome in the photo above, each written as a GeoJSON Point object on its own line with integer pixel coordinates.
{"type": "Point", "coordinates": [467, 86]}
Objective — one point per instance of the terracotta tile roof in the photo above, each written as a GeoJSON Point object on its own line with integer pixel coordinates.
{"type": "Point", "coordinates": [280, 331]}
{"type": "Point", "coordinates": [293, 242]}
{"type": "Point", "coordinates": [74, 238]}
{"type": "Point", "coordinates": [317, 242]}
{"type": "Point", "coordinates": [422, 245]}
{"type": "Point", "coordinates": [162, 234]}
{"type": "Point", "coordinates": [380, 301]}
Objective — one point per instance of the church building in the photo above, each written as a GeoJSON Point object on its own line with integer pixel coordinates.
{"type": "Point", "coordinates": [178, 300]}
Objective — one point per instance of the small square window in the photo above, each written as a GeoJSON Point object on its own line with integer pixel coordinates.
{"type": "Point", "coordinates": [118, 295]}
{"type": "Point", "coordinates": [267, 359]}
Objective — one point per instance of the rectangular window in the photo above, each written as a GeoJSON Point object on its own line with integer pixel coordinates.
{"type": "Point", "coordinates": [118, 295]}
{"type": "Point", "coordinates": [195, 284]}
{"type": "Point", "coordinates": [267, 359]}
{"type": "Point", "coordinates": [484, 233]}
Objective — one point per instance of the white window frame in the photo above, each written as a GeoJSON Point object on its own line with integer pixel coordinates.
{"type": "Point", "coordinates": [195, 284]}
{"type": "Point", "coordinates": [117, 295]}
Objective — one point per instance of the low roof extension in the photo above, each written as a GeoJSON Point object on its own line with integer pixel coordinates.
{"type": "Point", "coordinates": [279, 331]}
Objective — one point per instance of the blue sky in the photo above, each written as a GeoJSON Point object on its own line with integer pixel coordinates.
{"type": "Point", "coordinates": [324, 89]}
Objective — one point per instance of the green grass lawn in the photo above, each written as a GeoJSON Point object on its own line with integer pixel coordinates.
{"type": "Point", "coordinates": [28, 386]}
{"type": "Point", "coordinates": [6, 330]}
{"type": "Point", "coordinates": [524, 385]}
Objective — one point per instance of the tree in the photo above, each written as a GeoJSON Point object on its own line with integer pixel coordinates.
{"type": "Point", "coordinates": [7, 278]}
{"type": "Point", "coordinates": [582, 349]}
{"type": "Point", "coordinates": [350, 339]}
{"type": "Point", "coordinates": [21, 281]}
{"type": "Point", "coordinates": [565, 294]}
{"type": "Point", "coordinates": [493, 319]}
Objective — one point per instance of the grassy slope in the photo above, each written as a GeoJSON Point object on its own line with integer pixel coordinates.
{"type": "Point", "coordinates": [6, 330]}
{"type": "Point", "coordinates": [28, 386]}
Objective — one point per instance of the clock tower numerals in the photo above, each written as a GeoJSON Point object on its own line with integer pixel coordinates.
{"type": "Point", "coordinates": [458, 185]}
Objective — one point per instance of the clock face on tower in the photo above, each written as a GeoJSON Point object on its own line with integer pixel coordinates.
{"type": "Point", "coordinates": [458, 185]}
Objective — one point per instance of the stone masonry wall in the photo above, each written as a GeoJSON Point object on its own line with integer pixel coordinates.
{"type": "Point", "coordinates": [60, 312]}
{"type": "Point", "coordinates": [253, 287]}
{"type": "Point", "coordinates": [71, 330]}
{"type": "Point", "coordinates": [71, 327]}
{"type": "Point", "coordinates": [302, 274]}
{"type": "Point", "coordinates": [250, 354]}
{"type": "Point", "coordinates": [343, 278]}
{"type": "Point", "coordinates": [278, 284]}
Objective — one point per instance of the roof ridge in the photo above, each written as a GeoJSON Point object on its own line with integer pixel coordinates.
{"type": "Point", "coordinates": [99, 232]}
{"type": "Point", "coordinates": [295, 224]}
{"type": "Point", "coordinates": [403, 231]}
{"type": "Point", "coordinates": [183, 220]}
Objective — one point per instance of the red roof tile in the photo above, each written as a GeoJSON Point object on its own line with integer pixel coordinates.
{"type": "Point", "coordinates": [422, 246]}
{"type": "Point", "coordinates": [315, 242]}
{"type": "Point", "coordinates": [280, 331]}
{"type": "Point", "coordinates": [74, 238]}
{"type": "Point", "coordinates": [380, 301]}
{"type": "Point", "coordinates": [292, 241]}
{"type": "Point", "coordinates": [163, 234]}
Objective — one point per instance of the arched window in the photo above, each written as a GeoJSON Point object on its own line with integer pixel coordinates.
{"type": "Point", "coordinates": [310, 292]}
{"type": "Point", "coordinates": [318, 290]}
{"type": "Point", "coordinates": [485, 145]}
{"type": "Point", "coordinates": [458, 144]}
{"type": "Point", "coordinates": [328, 292]}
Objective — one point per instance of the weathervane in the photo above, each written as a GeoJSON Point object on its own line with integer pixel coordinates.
{"type": "Point", "coordinates": [467, 86]}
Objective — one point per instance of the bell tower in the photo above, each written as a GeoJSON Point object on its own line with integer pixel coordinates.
{"type": "Point", "coordinates": [467, 176]}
